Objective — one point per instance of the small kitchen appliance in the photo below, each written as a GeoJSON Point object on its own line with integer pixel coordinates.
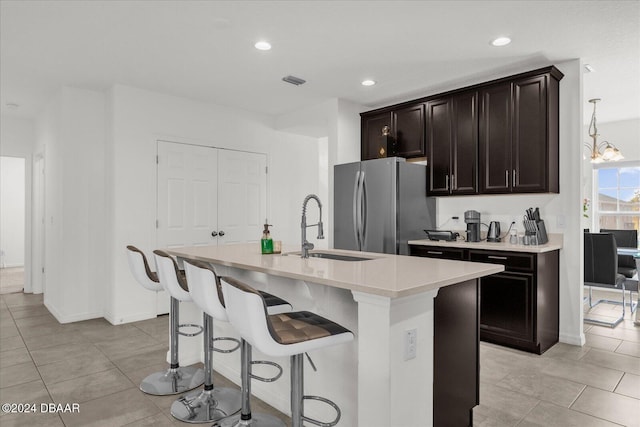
{"type": "Point", "coordinates": [472, 219]}
{"type": "Point", "coordinates": [493, 235]}
{"type": "Point", "coordinates": [444, 235]}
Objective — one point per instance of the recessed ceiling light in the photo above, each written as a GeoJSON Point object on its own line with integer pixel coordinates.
{"type": "Point", "coordinates": [263, 45]}
{"type": "Point", "coordinates": [368, 82]}
{"type": "Point", "coordinates": [501, 41]}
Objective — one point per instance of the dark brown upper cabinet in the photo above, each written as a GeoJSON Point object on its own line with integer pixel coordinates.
{"type": "Point", "coordinates": [408, 130]}
{"type": "Point", "coordinates": [372, 138]}
{"type": "Point", "coordinates": [497, 137]}
{"type": "Point", "coordinates": [406, 127]}
{"type": "Point", "coordinates": [519, 136]}
{"type": "Point", "coordinates": [452, 141]}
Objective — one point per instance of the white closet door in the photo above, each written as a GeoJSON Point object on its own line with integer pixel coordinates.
{"type": "Point", "coordinates": [208, 196]}
{"type": "Point", "coordinates": [187, 195]}
{"type": "Point", "coordinates": [242, 195]}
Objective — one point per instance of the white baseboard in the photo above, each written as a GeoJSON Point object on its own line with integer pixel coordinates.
{"type": "Point", "coordinates": [73, 318]}
{"type": "Point", "coordinates": [572, 339]}
{"type": "Point", "coordinates": [115, 320]}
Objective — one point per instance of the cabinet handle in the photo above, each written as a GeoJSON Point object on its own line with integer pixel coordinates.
{"type": "Point", "coordinates": [506, 178]}
{"type": "Point", "coordinates": [454, 185]}
{"type": "Point", "coordinates": [434, 252]}
{"type": "Point", "coordinates": [513, 178]}
{"type": "Point", "coordinates": [497, 257]}
{"type": "Point", "coordinates": [446, 186]}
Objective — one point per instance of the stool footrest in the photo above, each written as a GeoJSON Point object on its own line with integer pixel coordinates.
{"type": "Point", "coordinates": [190, 325]}
{"type": "Point", "coordinates": [231, 350]}
{"type": "Point", "coordinates": [328, 402]}
{"type": "Point", "coordinates": [266, 362]}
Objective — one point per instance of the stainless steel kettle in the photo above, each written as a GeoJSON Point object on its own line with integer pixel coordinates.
{"type": "Point", "coordinates": [494, 232]}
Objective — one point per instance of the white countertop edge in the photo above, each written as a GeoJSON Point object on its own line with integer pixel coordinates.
{"type": "Point", "coordinates": [216, 255]}
{"type": "Point", "coordinates": [554, 244]}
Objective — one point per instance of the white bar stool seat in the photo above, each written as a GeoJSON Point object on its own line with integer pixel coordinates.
{"type": "Point", "coordinates": [205, 286]}
{"type": "Point", "coordinates": [286, 334]}
{"type": "Point", "coordinates": [175, 379]}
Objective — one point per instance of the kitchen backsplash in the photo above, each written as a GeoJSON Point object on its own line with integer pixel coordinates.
{"type": "Point", "coordinates": [503, 208]}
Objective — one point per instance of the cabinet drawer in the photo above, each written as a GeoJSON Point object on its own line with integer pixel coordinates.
{"type": "Point", "coordinates": [511, 260]}
{"type": "Point", "coordinates": [437, 252]}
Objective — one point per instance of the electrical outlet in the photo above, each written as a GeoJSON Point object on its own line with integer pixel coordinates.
{"type": "Point", "coordinates": [455, 219]}
{"type": "Point", "coordinates": [410, 344]}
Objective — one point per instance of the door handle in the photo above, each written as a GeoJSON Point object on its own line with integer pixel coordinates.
{"type": "Point", "coordinates": [363, 210]}
{"type": "Point", "coordinates": [221, 233]}
{"type": "Point", "coordinates": [356, 209]}
{"type": "Point", "coordinates": [214, 233]}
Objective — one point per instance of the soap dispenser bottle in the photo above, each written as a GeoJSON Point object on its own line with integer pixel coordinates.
{"type": "Point", "coordinates": [266, 242]}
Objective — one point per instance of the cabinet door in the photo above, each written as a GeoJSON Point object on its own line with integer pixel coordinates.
{"type": "Point", "coordinates": [464, 144]}
{"type": "Point", "coordinates": [495, 139]}
{"type": "Point", "coordinates": [372, 133]}
{"type": "Point", "coordinates": [439, 146]}
{"type": "Point", "coordinates": [408, 129]}
{"type": "Point", "coordinates": [506, 306]}
{"type": "Point", "coordinates": [529, 155]}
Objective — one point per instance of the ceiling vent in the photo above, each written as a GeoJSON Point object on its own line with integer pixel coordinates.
{"type": "Point", "coordinates": [294, 80]}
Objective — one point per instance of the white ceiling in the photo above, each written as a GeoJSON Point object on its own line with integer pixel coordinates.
{"type": "Point", "coordinates": [204, 49]}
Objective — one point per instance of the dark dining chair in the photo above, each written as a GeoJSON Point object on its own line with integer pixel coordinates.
{"type": "Point", "coordinates": [625, 239]}
{"type": "Point", "coordinates": [601, 271]}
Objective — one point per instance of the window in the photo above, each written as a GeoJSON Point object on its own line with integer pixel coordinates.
{"type": "Point", "coordinates": [617, 195]}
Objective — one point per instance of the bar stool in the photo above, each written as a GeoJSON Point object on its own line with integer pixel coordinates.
{"type": "Point", "coordinates": [205, 285]}
{"type": "Point", "coordinates": [287, 334]}
{"type": "Point", "coordinates": [175, 379]}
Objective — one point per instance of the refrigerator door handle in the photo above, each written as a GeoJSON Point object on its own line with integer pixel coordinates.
{"type": "Point", "coordinates": [356, 209]}
{"type": "Point", "coordinates": [363, 210]}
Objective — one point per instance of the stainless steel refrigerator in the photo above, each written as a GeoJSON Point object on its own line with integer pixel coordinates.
{"type": "Point", "coordinates": [381, 204]}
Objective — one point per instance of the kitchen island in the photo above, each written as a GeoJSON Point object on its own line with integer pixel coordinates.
{"type": "Point", "coordinates": [377, 380]}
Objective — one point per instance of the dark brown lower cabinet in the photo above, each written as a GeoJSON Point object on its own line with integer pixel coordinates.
{"type": "Point", "coordinates": [519, 307]}
{"type": "Point", "coordinates": [513, 319]}
{"type": "Point", "coordinates": [456, 355]}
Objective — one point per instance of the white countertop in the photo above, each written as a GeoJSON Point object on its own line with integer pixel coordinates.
{"type": "Point", "coordinates": [385, 275]}
{"type": "Point", "coordinates": [554, 244]}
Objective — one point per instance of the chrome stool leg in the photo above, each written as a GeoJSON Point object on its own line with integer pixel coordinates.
{"type": "Point", "coordinates": [247, 418]}
{"type": "Point", "coordinates": [212, 403]}
{"type": "Point", "coordinates": [176, 379]}
{"type": "Point", "coordinates": [298, 397]}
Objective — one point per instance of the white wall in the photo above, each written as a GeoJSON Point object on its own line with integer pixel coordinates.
{"type": "Point", "coordinates": [71, 133]}
{"type": "Point", "coordinates": [137, 119]}
{"type": "Point", "coordinates": [562, 212]}
{"type": "Point", "coordinates": [12, 211]}
{"type": "Point", "coordinates": [17, 138]}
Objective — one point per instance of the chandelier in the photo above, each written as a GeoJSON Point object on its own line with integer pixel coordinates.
{"type": "Point", "coordinates": [603, 152]}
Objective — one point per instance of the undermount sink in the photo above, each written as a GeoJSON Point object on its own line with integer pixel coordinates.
{"type": "Point", "coordinates": [327, 255]}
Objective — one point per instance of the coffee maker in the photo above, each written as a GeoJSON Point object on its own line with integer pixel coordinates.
{"type": "Point", "coordinates": [472, 218]}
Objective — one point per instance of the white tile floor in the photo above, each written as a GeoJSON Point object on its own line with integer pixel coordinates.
{"type": "Point", "coordinates": [594, 385]}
